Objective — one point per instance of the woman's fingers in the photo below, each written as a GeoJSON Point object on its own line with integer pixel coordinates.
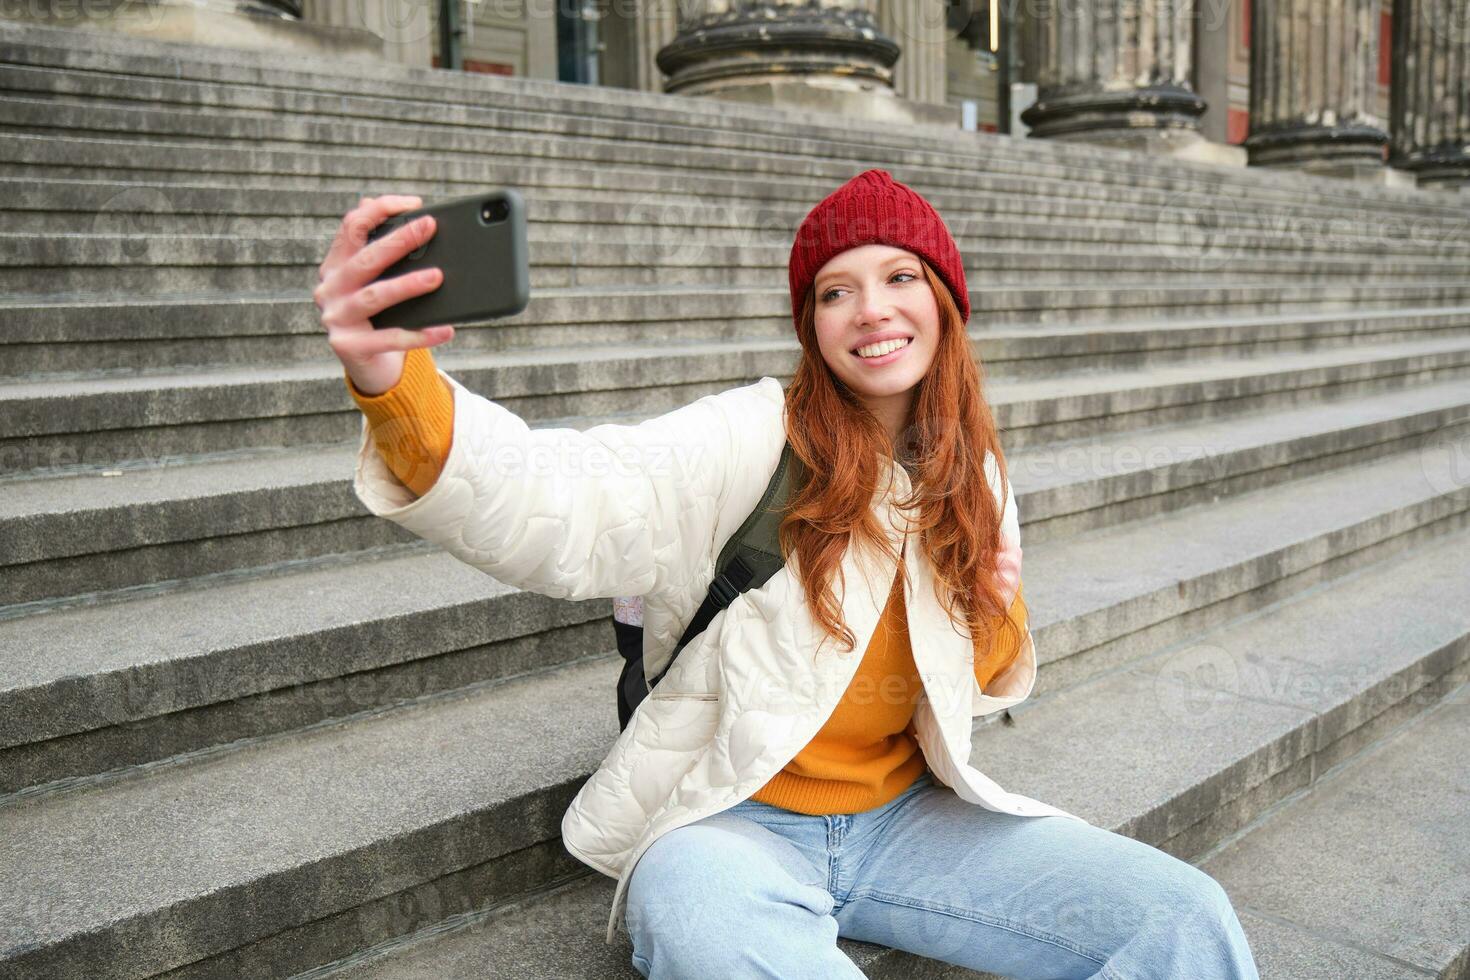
{"type": "Point", "coordinates": [350, 266]}
{"type": "Point", "coordinates": [378, 296]}
{"type": "Point", "coordinates": [368, 264]}
{"type": "Point", "coordinates": [363, 268]}
{"type": "Point", "coordinates": [359, 347]}
{"type": "Point", "coordinates": [350, 292]}
{"type": "Point", "coordinates": [357, 223]}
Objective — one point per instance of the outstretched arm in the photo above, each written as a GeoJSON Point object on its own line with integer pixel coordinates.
{"type": "Point", "coordinates": [615, 510]}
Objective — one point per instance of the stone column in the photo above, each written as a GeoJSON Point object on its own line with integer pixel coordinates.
{"type": "Point", "coordinates": [1314, 78]}
{"type": "Point", "coordinates": [821, 55]}
{"type": "Point", "coordinates": [921, 28]}
{"type": "Point", "coordinates": [658, 24]}
{"type": "Point", "coordinates": [1430, 95]}
{"type": "Point", "coordinates": [1112, 71]}
{"type": "Point", "coordinates": [1213, 27]}
{"type": "Point", "coordinates": [407, 27]}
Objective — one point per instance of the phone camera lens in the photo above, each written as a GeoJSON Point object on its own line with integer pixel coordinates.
{"type": "Point", "coordinates": [493, 211]}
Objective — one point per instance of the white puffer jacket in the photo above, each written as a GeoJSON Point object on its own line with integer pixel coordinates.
{"type": "Point", "coordinates": [644, 510]}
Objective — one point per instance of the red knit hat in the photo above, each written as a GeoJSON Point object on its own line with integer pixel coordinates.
{"type": "Point", "coordinates": [875, 208]}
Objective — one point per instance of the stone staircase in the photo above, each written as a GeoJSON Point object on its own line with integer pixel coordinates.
{"type": "Point", "coordinates": [248, 730]}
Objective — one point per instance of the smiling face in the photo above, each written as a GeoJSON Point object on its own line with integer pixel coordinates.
{"type": "Point", "coordinates": [870, 294]}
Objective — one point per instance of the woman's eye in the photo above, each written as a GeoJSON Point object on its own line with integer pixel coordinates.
{"type": "Point", "coordinates": [827, 296]}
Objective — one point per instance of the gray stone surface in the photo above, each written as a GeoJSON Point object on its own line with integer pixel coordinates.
{"type": "Point", "coordinates": [205, 857]}
{"type": "Point", "coordinates": [1281, 950]}
{"type": "Point", "coordinates": [1227, 709]}
{"type": "Point", "coordinates": [167, 415]}
{"type": "Point", "coordinates": [1164, 566]}
{"type": "Point", "coordinates": [1372, 867]}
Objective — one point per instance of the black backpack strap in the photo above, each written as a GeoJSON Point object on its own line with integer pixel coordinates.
{"type": "Point", "coordinates": [631, 687]}
{"type": "Point", "coordinates": [749, 558]}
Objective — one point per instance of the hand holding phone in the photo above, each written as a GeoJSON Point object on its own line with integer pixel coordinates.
{"type": "Point", "coordinates": [349, 292]}
{"type": "Point", "coordinates": [480, 245]}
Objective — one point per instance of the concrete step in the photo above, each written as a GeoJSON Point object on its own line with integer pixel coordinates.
{"type": "Point", "coordinates": [58, 426]}
{"type": "Point", "coordinates": [576, 204]}
{"type": "Point", "coordinates": [286, 853]}
{"type": "Point", "coordinates": [567, 252]}
{"type": "Point", "coordinates": [87, 336]}
{"type": "Point", "coordinates": [102, 701]}
{"type": "Point", "coordinates": [1185, 226]}
{"type": "Point", "coordinates": [1321, 880]}
{"type": "Point", "coordinates": [110, 265]}
{"type": "Point", "coordinates": [281, 82]}
{"type": "Point", "coordinates": [261, 652]}
{"type": "Point", "coordinates": [1084, 485]}
{"type": "Point", "coordinates": [89, 534]}
{"type": "Point", "coordinates": [1071, 407]}
{"type": "Point", "coordinates": [53, 336]}
{"type": "Point", "coordinates": [199, 117]}
{"type": "Point", "coordinates": [571, 204]}
{"type": "Point", "coordinates": [63, 426]}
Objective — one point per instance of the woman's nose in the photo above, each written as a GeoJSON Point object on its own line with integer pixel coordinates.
{"type": "Point", "coordinates": [873, 310]}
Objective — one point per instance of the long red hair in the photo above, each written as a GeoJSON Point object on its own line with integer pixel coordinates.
{"type": "Point", "coordinates": [838, 442]}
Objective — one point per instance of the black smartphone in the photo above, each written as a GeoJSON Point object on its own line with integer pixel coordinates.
{"type": "Point", "coordinates": [479, 243]}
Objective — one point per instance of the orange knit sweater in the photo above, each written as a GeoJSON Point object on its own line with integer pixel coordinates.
{"type": "Point", "coordinates": [864, 756]}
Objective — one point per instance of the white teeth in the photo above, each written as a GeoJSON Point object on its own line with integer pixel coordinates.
{"type": "Point", "coordinates": [884, 347]}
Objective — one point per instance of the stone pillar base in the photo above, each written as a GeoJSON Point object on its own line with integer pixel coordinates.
{"type": "Point", "coordinates": [1441, 169]}
{"type": "Point", "coordinates": [1343, 149]}
{"type": "Point", "coordinates": [218, 25]}
{"type": "Point", "coordinates": [879, 105]}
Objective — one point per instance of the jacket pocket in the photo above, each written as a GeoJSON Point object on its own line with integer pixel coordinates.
{"type": "Point", "coordinates": [658, 695]}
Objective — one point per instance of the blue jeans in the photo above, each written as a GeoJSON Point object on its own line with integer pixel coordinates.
{"type": "Point", "coordinates": [760, 891]}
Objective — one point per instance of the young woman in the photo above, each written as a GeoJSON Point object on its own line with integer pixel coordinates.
{"type": "Point", "coordinates": [802, 771]}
